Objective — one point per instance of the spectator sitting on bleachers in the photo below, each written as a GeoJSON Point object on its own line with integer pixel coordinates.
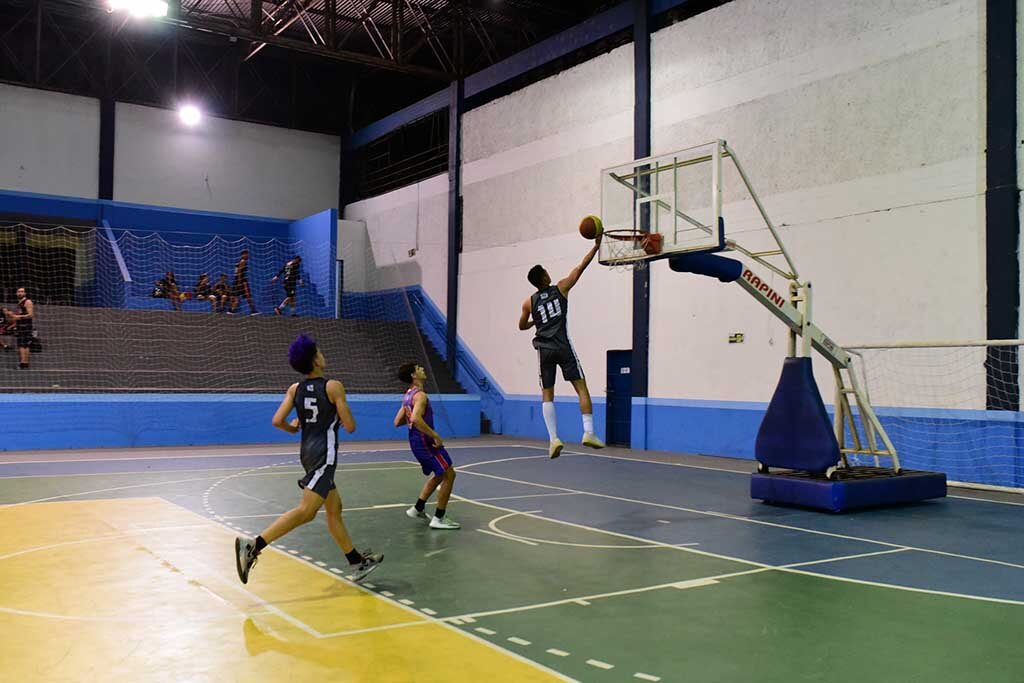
{"type": "Point", "coordinates": [204, 291]}
{"type": "Point", "coordinates": [167, 288]}
{"type": "Point", "coordinates": [221, 293]}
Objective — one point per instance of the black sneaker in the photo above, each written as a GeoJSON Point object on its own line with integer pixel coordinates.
{"type": "Point", "coordinates": [371, 561]}
{"type": "Point", "coordinates": [245, 559]}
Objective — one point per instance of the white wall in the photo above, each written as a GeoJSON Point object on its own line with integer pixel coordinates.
{"type": "Point", "coordinates": [862, 128]}
{"type": "Point", "coordinates": [223, 165]}
{"type": "Point", "coordinates": [412, 218]}
{"type": "Point", "coordinates": [532, 171]}
{"type": "Point", "coordinates": [49, 142]}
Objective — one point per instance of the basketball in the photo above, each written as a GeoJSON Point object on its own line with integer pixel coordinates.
{"type": "Point", "coordinates": [590, 227]}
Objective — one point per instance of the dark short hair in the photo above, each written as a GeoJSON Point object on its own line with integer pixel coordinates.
{"type": "Point", "coordinates": [406, 372]}
{"type": "Point", "coordinates": [535, 275]}
{"type": "Point", "coordinates": [301, 354]}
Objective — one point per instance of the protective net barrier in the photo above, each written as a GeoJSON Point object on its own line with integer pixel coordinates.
{"type": "Point", "coordinates": [125, 311]}
{"type": "Point", "coordinates": [952, 409]}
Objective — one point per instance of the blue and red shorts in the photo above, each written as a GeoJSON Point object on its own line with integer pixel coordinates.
{"type": "Point", "coordinates": [434, 461]}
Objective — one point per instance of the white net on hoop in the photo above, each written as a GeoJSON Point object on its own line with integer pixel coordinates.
{"type": "Point", "coordinates": [626, 250]}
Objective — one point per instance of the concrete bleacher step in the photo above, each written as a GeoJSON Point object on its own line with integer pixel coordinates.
{"type": "Point", "coordinates": [96, 349]}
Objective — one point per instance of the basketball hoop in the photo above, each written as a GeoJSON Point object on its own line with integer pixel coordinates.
{"type": "Point", "coordinates": [629, 249]}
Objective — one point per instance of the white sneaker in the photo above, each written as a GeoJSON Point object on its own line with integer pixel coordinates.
{"type": "Point", "coordinates": [444, 523]}
{"type": "Point", "coordinates": [590, 439]}
{"type": "Point", "coordinates": [555, 448]}
{"type": "Point", "coordinates": [415, 514]}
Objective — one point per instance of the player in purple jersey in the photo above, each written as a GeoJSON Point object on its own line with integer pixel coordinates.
{"type": "Point", "coordinates": [428, 447]}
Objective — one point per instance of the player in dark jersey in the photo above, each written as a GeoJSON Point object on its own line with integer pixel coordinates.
{"type": "Point", "coordinates": [21, 320]}
{"type": "Point", "coordinates": [221, 293]}
{"type": "Point", "coordinates": [320, 405]}
{"type": "Point", "coordinates": [204, 291]}
{"type": "Point", "coordinates": [548, 310]}
{"type": "Point", "coordinates": [167, 288]}
{"type": "Point", "coordinates": [428, 447]}
{"type": "Point", "coordinates": [240, 288]}
{"type": "Point", "coordinates": [292, 276]}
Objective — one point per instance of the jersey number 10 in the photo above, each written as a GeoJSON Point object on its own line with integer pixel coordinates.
{"type": "Point", "coordinates": [549, 310]}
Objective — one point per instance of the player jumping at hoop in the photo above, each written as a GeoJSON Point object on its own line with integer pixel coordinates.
{"type": "Point", "coordinates": [548, 309]}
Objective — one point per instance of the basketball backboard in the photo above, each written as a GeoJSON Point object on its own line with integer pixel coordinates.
{"type": "Point", "coordinates": [677, 195]}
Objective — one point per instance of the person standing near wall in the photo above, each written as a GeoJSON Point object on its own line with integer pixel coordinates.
{"type": "Point", "coordinates": [291, 272]}
{"type": "Point", "coordinates": [241, 286]}
{"type": "Point", "coordinates": [22, 319]}
{"type": "Point", "coordinates": [548, 310]}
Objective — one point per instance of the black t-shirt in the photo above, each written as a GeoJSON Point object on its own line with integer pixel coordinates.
{"type": "Point", "coordinates": [318, 419]}
{"type": "Point", "coordinates": [550, 315]}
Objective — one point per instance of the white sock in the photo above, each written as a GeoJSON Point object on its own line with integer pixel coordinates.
{"type": "Point", "coordinates": [548, 408]}
{"type": "Point", "coordinates": [588, 424]}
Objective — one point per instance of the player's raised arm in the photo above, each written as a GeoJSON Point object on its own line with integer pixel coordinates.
{"type": "Point", "coordinates": [281, 416]}
{"type": "Point", "coordinates": [567, 283]}
{"type": "Point", "coordinates": [525, 321]}
{"type": "Point", "coordinates": [336, 392]}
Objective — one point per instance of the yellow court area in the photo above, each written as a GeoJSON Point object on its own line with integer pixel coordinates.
{"type": "Point", "coordinates": [135, 589]}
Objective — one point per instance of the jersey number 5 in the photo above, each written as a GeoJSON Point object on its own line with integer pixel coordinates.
{"type": "Point", "coordinates": [551, 309]}
{"type": "Point", "coordinates": [310, 404]}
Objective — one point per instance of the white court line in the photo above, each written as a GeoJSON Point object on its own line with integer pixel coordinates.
{"type": "Point", "coordinates": [385, 506]}
{"type": "Point", "coordinates": [518, 641]}
{"type": "Point", "coordinates": [694, 583]}
{"type": "Point", "coordinates": [864, 582]}
{"type": "Point", "coordinates": [558, 653]}
{"type": "Point", "coordinates": [507, 538]}
{"type": "Point", "coordinates": [400, 449]}
{"type": "Point", "coordinates": [646, 677]}
{"type": "Point", "coordinates": [985, 500]}
{"type": "Point", "coordinates": [422, 618]}
{"type": "Point", "coordinates": [600, 665]}
{"type": "Point", "coordinates": [371, 629]}
{"type": "Point", "coordinates": [749, 520]}
{"type": "Point", "coordinates": [843, 558]}
{"type": "Point", "coordinates": [731, 471]}
{"type": "Point", "coordinates": [687, 549]}
{"type": "Point", "coordinates": [767, 567]}
{"type": "Point", "coordinates": [246, 473]}
{"type": "Point", "coordinates": [493, 526]}
{"type": "Point", "coordinates": [530, 495]}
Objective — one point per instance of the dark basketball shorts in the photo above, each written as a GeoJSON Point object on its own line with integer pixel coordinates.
{"type": "Point", "coordinates": [320, 480]}
{"type": "Point", "coordinates": [241, 290]}
{"type": "Point", "coordinates": [24, 338]}
{"type": "Point", "coordinates": [289, 291]}
{"type": "Point", "coordinates": [555, 357]}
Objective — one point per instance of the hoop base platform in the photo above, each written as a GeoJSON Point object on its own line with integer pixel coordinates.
{"type": "Point", "coordinates": [856, 487]}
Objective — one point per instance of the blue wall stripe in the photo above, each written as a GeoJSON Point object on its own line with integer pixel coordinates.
{"type": "Point", "coordinates": [119, 421]}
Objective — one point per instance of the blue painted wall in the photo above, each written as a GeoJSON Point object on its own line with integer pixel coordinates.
{"type": "Point", "coordinates": [118, 421]}
{"type": "Point", "coordinates": [316, 240]}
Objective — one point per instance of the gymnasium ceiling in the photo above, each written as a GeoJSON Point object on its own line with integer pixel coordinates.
{"type": "Point", "coordinates": [330, 65]}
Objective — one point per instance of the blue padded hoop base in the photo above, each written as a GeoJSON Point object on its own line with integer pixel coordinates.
{"type": "Point", "coordinates": [796, 432]}
{"type": "Point", "coordinates": [711, 265]}
{"type": "Point", "coordinates": [859, 487]}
